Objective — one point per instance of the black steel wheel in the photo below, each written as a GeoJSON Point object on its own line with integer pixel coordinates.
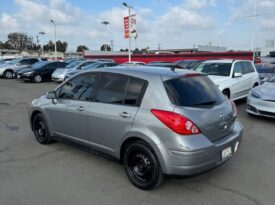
{"type": "Point", "coordinates": [40, 130]}
{"type": "Point", "coordinates": [142, 166]}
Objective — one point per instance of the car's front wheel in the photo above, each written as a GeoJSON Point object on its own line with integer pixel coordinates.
{"type": "Point", "coordinates": [8, 74]}
{"type": "Point", "coordinates": [40, 129]}
{"type": "Point", "coordinates": [142, 166]}
{"type": "Point", "coordinates": [37, 78]}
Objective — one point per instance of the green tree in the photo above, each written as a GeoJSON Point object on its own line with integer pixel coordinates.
{"type": "Point", "coordinates": [105, 47]}
{"type": "Point", "coordinates": [81, 48]}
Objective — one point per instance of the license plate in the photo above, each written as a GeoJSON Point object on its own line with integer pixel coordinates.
{"type": "Point", "coordinates": [226, 153]}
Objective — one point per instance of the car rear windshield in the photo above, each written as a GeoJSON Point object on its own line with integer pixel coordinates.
{"type": "Point", "coordinates": [221, 69]}
{"type": "Point", "coordinates": [195, 91]}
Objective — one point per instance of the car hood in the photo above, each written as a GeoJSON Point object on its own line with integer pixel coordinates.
{"type": "Point", "coordinates": [218, 79]}
{"type": "Point", "coordinates": [266, 91]}
{"type": "Point", "coordinates": [26, 70]}
{"type": "Point", "coordinates": [73, 72]}
{"type": "Point", "coordinates": [7, 66]}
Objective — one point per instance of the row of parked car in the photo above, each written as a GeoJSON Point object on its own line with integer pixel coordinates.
{"type": "Point", "coordinates": [235, 78]}
{"type": "Point", "coordinates": [155, 119]}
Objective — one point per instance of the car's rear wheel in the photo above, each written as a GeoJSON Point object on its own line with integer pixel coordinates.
{"type": "Point", "coordinates": [37, 78]}
{"type": "Point", "coordinates": [8, 74]}
{"type": "Point", "coordinates": [142, 166]}
{"type": "Point", "coordinates": [40, 129]}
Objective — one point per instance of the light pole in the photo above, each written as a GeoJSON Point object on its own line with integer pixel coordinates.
{"type": "Point", "coordinates": [253, 31]}
{"type": "Point", "coordinates": [52, 21]}
{"type": "Point", "coordinates": [41, 33]}
{"type": "Point", "coordinates": [106, 23]}
{"type": "Point", "coordinates": [129, 35]}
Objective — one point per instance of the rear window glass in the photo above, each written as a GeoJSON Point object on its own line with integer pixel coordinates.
{"type": "Point", "coordinates": [195, 91]}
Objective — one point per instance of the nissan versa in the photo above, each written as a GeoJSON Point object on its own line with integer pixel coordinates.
{"type": "Point", "coordinates": [155, 120]}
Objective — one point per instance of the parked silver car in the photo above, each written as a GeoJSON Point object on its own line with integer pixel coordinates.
{"type": "Point", "coordinates": [60, 73]}
{"type": "Point", "coordinates": [7, 70]}
{"type": "Point", "coordinates": [154, 120]}
{"type": "Point", "coordinates": [261, 99]}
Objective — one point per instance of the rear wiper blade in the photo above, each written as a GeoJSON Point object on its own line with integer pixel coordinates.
{"type": "Point", "coordinates": [206, 103]}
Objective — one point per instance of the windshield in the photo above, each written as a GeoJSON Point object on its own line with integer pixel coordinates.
{"type": "Point", "coordinates": [74, 64]}
{"type": "Point", "coordinates": [193, 91]}
{"type": "Point", "coordinates": [92, 65]}
{"type": "Point", "coordinates": [14, 61]}
{"type": "Point", "coordinates": [265, 68]}
{"type": "Point", "coordinates": [221, 69]}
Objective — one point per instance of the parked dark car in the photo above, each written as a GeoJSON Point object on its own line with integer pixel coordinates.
{"type": "Point", "coordinates": [266, 71]}
{"type": "Point", "coordinates": [40, 72]}
{"type": "Point", "coordinates": [101, 64]}
{"type": "Point", "coordinates": [188, 64]}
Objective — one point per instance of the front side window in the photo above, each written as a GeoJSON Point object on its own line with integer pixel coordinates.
{"type": "Point", "coordinates": [111, 89]}
{"type": "Point", "coordinates": [238, 68]}
{"type": "Point", "coordinates": [81, 88]}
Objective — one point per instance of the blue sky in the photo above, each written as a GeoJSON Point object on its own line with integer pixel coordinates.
{"type": "Point", "coordinates": [173, 24]}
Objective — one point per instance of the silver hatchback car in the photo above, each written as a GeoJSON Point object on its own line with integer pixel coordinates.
{"type": "Point", "coordinates": [155, 120]}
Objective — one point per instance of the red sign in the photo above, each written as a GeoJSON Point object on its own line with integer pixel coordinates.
{"type": "Point", "coordinates": [126, 27]}
{"type": "Point", "coordinates": [130, 29]}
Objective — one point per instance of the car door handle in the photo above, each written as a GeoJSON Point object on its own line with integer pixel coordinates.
{"type": "Point", "coordinates": [80, 108]}
{"type": "Point", "coordinates": [125, 115]}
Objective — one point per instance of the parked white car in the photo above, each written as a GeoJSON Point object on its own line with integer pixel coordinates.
{"type": "Point", "coordinates": [235, 78]}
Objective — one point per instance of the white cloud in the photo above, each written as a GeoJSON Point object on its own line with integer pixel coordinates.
{"type": "Point", "coordinates": [199, 4]}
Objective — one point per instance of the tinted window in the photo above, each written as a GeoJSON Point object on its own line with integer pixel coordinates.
{"type": "Point", "coordinates": [193, 91]}
{"type": "Point", "coordinates": [79, 88]}
{"type": "Point", "coordinates": [238, 68]}
{"type": "Point", "coordinates": [221, 69]}
{"type": "Point", "coordinates": [246, 67]}
{"type": "Point", "coordinates": [33, 61]}
{"type": "Point", "coordinates": [111, 89]}
{"type": "Point", "coordinates": [133, 92]}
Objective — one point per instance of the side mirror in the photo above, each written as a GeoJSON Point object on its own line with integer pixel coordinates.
{"type": "Point", "coordinates": [51, 95]}
{"type": "Point", "coordinates": [238, 75]}
{"type": "Point", "coordinates": [18, 63]}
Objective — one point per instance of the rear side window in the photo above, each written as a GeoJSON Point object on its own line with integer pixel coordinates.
{"type": "Point", "coordinates": [134, 91]}
{"type": "Point", "coordinates": [196, 91]}
{"type": "Point", "coordinates": [111, 89]}
{"type": "Point", "coordinates": [247, 67]}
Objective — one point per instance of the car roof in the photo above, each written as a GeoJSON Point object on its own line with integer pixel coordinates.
{"type": "Point", "coordinates": [146, 72]}
{"type": "Point", "coordinates": [224, 61]}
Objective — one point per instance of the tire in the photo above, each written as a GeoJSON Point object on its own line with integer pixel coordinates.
{"type": "Point", "coordinates": [226, 93]}
{"type": "Point", "coordinates": [41, 130]}
{"type": "Point", "coordinates": [8, 74]}
{"type": "Point", "coordinates": [142, 166]}
{"type": "Point", "coordinates": [37, 78]}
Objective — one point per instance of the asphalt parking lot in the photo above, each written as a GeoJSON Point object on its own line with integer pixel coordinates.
{"type": "Point", "coordinates": [59, 173]}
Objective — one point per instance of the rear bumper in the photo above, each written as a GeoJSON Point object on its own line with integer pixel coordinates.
{"type": "Point", "coordinates": [197, 161]}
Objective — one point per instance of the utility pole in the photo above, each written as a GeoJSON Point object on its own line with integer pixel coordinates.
{"type": "Point", "coordinates": [55, 54]}
{"type": "Point", "coordinates": [159, 46]}
{"type": "Point", "coordinates": [112, 45]}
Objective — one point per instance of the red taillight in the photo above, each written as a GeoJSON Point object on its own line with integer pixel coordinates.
{"type": "Point", "coordinates": [176, 122]}
{"type": "Point", "coordinates": [234, 108]}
